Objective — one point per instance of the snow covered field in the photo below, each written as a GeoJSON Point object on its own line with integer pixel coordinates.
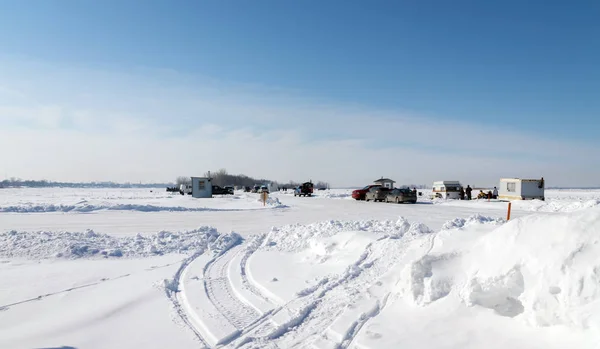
{"type": "Point", "coordinates": [141, 268]}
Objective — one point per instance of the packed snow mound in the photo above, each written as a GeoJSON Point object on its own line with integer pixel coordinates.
{"type": "Point", "coordinates": [73, 245]}
{"type": "Point", "coordinates": [272, 202]}
{"type": "Point", "coordinates": [296, 237]}
{"type": "Point", "coordinates": [543, 270]}
{"type": "Point", "coordinates": [111, 207]}
{"type": "Point", "coordinates": [545, 267]}
{"type": "Point", "coordinates": [224, 242]}
{"type": "Point", "coordinates": [459, 223]}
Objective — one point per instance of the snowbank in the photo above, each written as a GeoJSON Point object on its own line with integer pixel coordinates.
{"type": "Point", "coordinates": [541, 271]}
{"type": "Point", "coordinates": [389, 284]}
{"type": "Point", "coordinates": [296, 237]}
{"type": "Point", "coordinates": [459, 223]}
{"type": "Point", "coordinates": [71, 245]}
{"type": "Point", "coordinates": [545, 268]}
{"type": "Point", "coordinates": [274, 203]}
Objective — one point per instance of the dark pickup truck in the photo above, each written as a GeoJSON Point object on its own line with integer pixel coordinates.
{"type": "Point", "coordinates": [306, 189]}
{"type": "Point", "coordinates": [217, 190]}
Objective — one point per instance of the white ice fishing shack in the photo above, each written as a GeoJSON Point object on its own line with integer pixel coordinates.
{"type": "Point", "coordinates": [272, 187]}
{"type": "Point", "coordinates": [521, 189]}
{"type": "Point", "coordinates": [446, 190]}
{"type": "Point", "coordinates": [201, 187]}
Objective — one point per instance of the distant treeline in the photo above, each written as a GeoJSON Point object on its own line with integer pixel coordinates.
{"type": "Point", "coordinates": [16, 182]}
{"type": "Point", "coordinates": [222, 178]}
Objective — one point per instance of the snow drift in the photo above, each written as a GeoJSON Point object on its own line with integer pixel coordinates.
{"type": "Point", "coordinates": [273, 203]}
{"type": "Point", "coordinates": [72, 245]}
{"type": "Point", "coordinates": [545, 268]}
{"type": "Point", "coordinates": [295, 237]}
{"type": "Point", "coordinates": [541, 271]}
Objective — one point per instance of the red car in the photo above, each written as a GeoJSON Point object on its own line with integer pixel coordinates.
{"type": "Point", "coordinates": [359, 194]}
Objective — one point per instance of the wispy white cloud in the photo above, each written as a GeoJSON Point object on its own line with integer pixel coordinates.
{"type": "Point", "coordinates": [68, 123]}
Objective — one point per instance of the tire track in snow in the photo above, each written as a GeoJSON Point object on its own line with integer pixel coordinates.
{"type": "Point", "coordinates": [354, 329]}
{"type": "Point", "coordinates": [172, 289]}
{"type": "Point", "coordinates": [220, 293]}
{"type": "Point", "coordinates": [347, 342]}
{"type": "Point", "coordinates": [252, 247]}
{"type": "Point", "coordinates": [304, 312]}
{"type": "Point", "coordinates": [40, 297]}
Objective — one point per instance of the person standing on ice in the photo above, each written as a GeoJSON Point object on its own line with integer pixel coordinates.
{"type": "Point", "coordinates": [462, 193]}
{"type": "Point", "coordinates": [468, 191]}
{"type": "Point", "coordinates": [495, 193]}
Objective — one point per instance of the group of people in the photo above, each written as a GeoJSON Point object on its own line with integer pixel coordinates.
{"type": "Point", "coordinates": [469, 191]}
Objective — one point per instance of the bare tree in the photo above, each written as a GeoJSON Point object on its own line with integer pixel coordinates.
{"type": "Point", "coordinates": [183, 180]}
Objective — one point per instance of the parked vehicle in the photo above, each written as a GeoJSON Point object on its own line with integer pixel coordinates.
{"type": "Point", "coordinates": [185, 189]}
{"type": "Point", "coordinates": [218, 190]}
{"type": "Point", "coordinates": [306, 189]}
{"type": "Point", "coordinates": [359, 194]}
{"type": "Point", "coordinates": [378, 193]}
{"type": "Point", "coordinates": [446, 190]}
{"type": "Point", "coordinates": [255, 189]}
{"type": "Point", "coordinates": [230, 188]}
{"type": "Point", "coordinates": [401, 196]}
{"type": "Point", "coordinates": [264, 189]}
{"type": "Point", "coordinates": [247, 189]}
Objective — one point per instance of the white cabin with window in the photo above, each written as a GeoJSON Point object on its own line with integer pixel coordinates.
{"type": "Point", "coordinates": [385, 182]}
{"type": "Point", "coordinates": [521, 189]}
{"type": "Point", "coordinates": [201, 187]}
{"type": "Point", "coordinates": [446, 190]}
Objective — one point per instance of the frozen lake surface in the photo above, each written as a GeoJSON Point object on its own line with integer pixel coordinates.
{"type": "Point", "coordinates": [125, 268]}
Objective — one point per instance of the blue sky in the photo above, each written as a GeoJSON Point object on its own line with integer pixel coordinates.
{"type": "Point", "coordinates": [528, 70]}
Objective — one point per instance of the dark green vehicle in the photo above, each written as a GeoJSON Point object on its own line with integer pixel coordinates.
{"type": "Point", "coordinates": [400, 196]}
{"type": "Point", "coordinates": [306, 189]}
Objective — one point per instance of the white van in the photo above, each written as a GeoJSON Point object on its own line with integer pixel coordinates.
{"type": "Point", "coordinates": [446, 190]}
{"type": "Point", "coordinates": [185, 189]}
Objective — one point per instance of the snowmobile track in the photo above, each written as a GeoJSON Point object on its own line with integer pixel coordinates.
{"type": "Point", "coordinates": [220, 293]}
{"type": "Point", "coordinates": [244, 267]}
{"type": "Point", "coordinates": [362, 321]}
{"type": "Point", "coordinates": [172, 290]}
{"type": "Point", "coordinates": [249, 334]}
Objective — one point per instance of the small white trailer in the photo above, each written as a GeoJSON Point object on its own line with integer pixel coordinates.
{"type": "Point", "coordinates": [446, 190]}
{"type": "Point", "coordinates": [521, 189]}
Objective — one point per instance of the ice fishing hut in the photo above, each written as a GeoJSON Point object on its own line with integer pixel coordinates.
{"type": "Point", "coordinates": [385, 182]}
{"type": "Point", "coordinates": [446, 190]}
{"type": "Point", "coordinates": [201, 187]}
{"type": "Point", "coordinates": [272, 187]}
{"type": "Point", "coordinates": [521, 189]}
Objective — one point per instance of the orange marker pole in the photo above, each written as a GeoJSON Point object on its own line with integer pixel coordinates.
{"type": "Point", "coordinates": [508, 215]}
